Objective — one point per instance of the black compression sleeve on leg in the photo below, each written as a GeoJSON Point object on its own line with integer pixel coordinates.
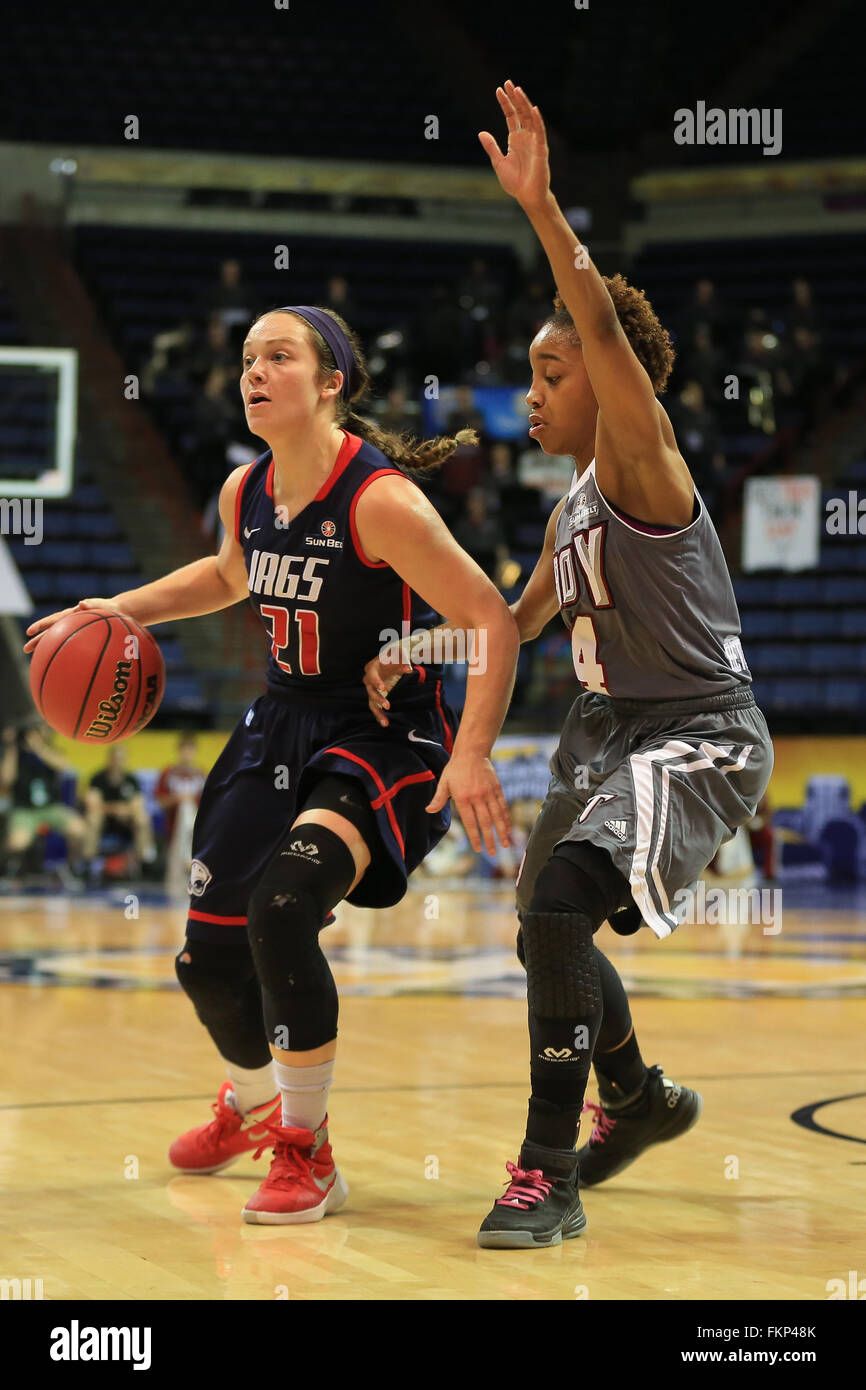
{"type": "Point", "coordinates": [580, 875]}
{"type": "Point", "coordinates": [617, 1015]}
{"type": "Point", "coordinates": [222, 984]}
{"type": "Point", "coordinates": [337, 791]}
{"type": "Point", "coordinates": [565, 1008]}
{"type": "Point", "coordinates": [308, 875]}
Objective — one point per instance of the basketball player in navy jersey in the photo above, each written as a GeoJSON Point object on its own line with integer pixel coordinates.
{"type": "Point", "coordinates": [311, 802]}
{"type": "Point", "coordinates": [662, 757]}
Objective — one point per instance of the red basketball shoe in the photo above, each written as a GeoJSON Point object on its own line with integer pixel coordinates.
{"type": "Point", "coordinates": [210, 1147]}
{"type": "Point", "coordinates": [304, 1183]}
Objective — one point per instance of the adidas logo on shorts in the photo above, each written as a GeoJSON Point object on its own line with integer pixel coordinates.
{"type": "Point", "coordinates": [618, 828]}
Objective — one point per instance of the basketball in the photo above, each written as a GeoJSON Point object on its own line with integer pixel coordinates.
{"type": "Point", "coordinates": [97, 677]}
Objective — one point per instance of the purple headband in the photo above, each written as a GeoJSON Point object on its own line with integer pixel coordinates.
{"type": "Point", "coordinates": [333, 336]}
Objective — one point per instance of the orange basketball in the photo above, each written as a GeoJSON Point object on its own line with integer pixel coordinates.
{"type": "Point", "coordinates": [97, 676]}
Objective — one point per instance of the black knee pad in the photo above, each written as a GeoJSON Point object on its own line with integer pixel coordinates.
{"type": "Point", "coordinates": [221, 982]}
{"type": "Point", "coordinates": [562, 979]}
{"type": "Point", "coordinates": [212, 976]}
{"type": "Point", "coordinates": [580, 876]}
{"type": "Point", "coordinates": [310, 873]}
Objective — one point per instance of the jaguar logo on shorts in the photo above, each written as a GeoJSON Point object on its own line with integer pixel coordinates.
{"type": "Point", "coordinates": [199, 878]}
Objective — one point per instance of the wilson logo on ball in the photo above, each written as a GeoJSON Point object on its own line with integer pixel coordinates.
{"type": "Point", "coordinates": [150, 700]}
{"type": "Point", "coordinates": [108, 711]}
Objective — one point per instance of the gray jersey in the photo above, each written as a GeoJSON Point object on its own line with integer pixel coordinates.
{"type": "Point", "coordinates": [652, 613]}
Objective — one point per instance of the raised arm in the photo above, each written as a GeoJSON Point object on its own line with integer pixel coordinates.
{"type": "Point", "coordinates": [635, 444]}
{"type": "Point", "coordinates": [205, 586]}
{"type": "Point", "coordinates": [397, 523]}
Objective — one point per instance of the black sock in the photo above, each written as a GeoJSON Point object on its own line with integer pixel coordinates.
{"type": "Point", "coordinates": [618, 1064]}
{"type": "Point", "coordinates": [553, 1126]}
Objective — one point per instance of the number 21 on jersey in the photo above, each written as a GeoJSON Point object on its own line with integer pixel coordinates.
{"type": "Point", "coordinates": [307, 620]}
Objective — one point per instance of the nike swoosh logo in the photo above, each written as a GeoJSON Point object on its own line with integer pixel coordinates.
{"type": "Point", "coordinates": [257, 1132]}
{"type": "Point", "coordinates": [248, 532]}
{"type": "Point", "coordinates": [413, 738]}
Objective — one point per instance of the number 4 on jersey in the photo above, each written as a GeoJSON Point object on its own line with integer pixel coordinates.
{"type": "Point", "coordinates": [587, 548]}
{"type": "Point", "coordinates": [584, 646]}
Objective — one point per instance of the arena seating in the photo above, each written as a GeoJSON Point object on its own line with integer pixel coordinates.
{"type": "Point", "coordinates": [198, 81]}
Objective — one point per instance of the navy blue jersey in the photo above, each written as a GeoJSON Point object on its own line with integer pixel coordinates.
{"type": "Point", "coordinates": [326, 608]}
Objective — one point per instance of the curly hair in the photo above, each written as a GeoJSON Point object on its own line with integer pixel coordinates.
{"type": "Point", "coordinates": [650, 342]}
{"type": "Point", "coordinates": [415, 458]}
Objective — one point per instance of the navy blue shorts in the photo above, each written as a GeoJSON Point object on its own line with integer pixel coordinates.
{"type": "Point", "coordinates": [270, 764]}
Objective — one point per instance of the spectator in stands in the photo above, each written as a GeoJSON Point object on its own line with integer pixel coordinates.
{"type": "Point", "coordinates": [213, 350]}
{"type": "Point", "coordinates": [31, 772]}
{"type": "Point", "coordinates": [481, 535]}
{"type": "Point", "coordinates": [703, 310]}
{"type": "Point", "coordinates": [763, 838]}
{"type": "Point", "coordinates": [801, 377]}
{"type": "Point", "coordinates": [802, 310]}
{"type": "Point", "coordinates": [466, 467]}
{"type": "Point", "coordinates": [114, 805]}
{"type": "Point", "coordinates": [499, 481]}
{"type": "Point", "coordinates": [178, 792]}
{"type": "Point", "coordinates": [480, 298]}
{"type": "Point", "coordinates": [339, 297]}
{"type": "Point", "coordinates": [215, 425]}
{"type": "Point", "coordinates": [397, 413]}
{"type": "Point", "coordinates": [167, 361]}
{"type": "Point", "coordinates": [758, 368]}
{"type": "Point", "coordinates": [704, 363]}
{"type": "Point", "coordinates": [697, 429]}
{"type": "Point", "coordinates": [230, 301]}
{"type": "Point", "coordinates": [438, 338]}
{"type": "Point", "coordinates": [180, 783]}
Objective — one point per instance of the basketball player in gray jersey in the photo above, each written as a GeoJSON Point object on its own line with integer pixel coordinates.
{"type": "Point", "coordinates": [663, 754]}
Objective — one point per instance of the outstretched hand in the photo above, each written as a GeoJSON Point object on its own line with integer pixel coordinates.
{"type": "Point", "coordinates": [472, 784]}
{"type": "Point", "coordinates": [524, 172]}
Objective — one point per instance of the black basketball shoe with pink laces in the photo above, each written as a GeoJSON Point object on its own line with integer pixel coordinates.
{"type": "Point", "coordinates": [626, 1125]}
{"type": "Point", "coordinates": [541, 1205]}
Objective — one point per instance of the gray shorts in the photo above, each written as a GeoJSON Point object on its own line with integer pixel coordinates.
{"type": "Point", "coordinates": [660, 786]}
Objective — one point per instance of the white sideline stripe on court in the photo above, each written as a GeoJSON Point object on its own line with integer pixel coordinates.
{"type": "Point", "coordinates": [705, 756]}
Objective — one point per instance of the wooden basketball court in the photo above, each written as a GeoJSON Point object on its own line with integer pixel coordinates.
{"type": "Point", "coordinates": [105, 1063]}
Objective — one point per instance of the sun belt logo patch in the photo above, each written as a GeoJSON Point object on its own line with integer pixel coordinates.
{"type": "Point", "coordinates": [328, 528]}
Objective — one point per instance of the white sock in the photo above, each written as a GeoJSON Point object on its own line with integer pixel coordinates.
{"type": "Point", "coordinates": [304, 1092]}
{"type": "Point", "coordinates": [252, 1085]}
